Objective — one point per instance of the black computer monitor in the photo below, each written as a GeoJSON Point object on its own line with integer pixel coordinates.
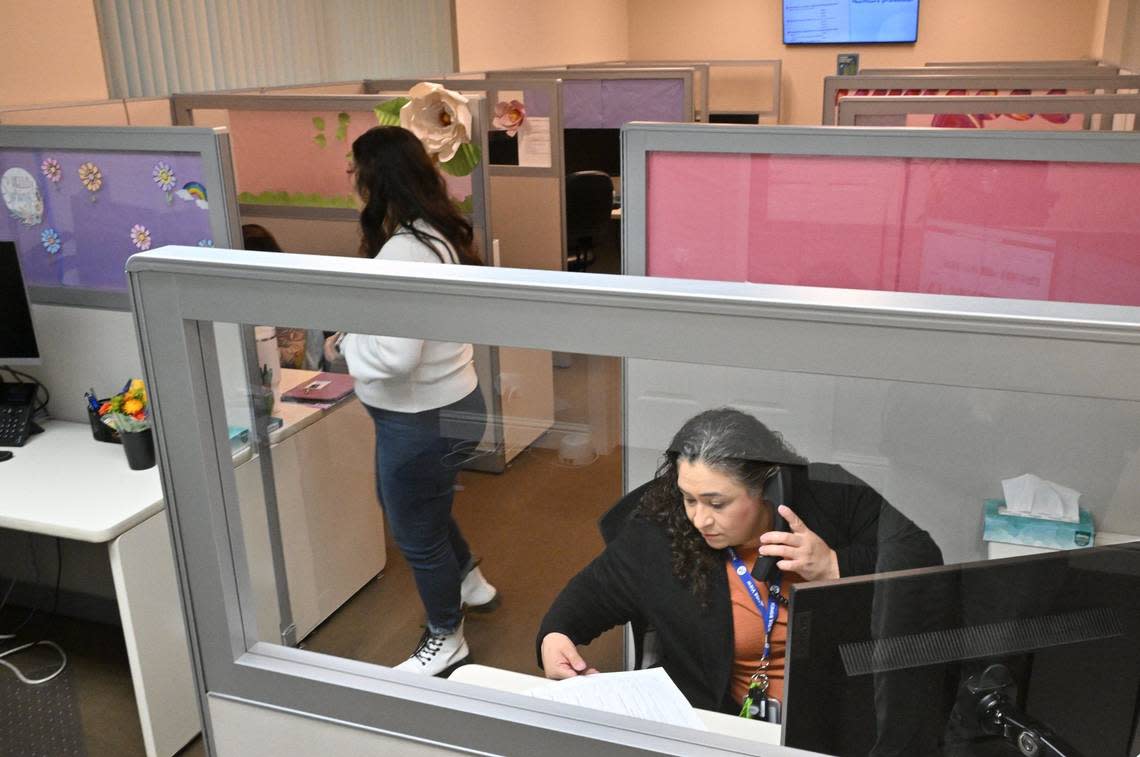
{"type": "Point", "coordinates": [922, 661]}
{"type": "Point", "coordinates": [17, 336]}
{"type": "Point", "coordinates": [592, 150]}
{"type": "Point", "coordinates": [734, 118]}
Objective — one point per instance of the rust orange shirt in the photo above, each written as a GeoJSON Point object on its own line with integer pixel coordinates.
{"type": "Point", "coordinates": [748, 631]}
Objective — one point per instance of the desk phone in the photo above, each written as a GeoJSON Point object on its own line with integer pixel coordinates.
{"type": "Point", "coordinates": [17, 402]}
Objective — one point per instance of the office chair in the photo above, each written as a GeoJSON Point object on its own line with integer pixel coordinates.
{"type": "Point", "coordinates": [642, 636]}
{"type": "Point", "coordinates": [589, 200]}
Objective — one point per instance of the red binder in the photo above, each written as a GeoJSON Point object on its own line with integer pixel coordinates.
{"type": "Point", "coordinates": [324, 388]}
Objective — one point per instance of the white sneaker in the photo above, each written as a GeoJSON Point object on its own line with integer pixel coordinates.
{"type": "Point", "coordinates": [476, 593]}
{"type": "Point", "coordinates": [438, 654]}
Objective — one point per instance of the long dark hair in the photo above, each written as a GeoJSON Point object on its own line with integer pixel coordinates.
{"type": "Point", "coordinates": [399, 185]}
{"type": "Point", "coordinates": [726, 440]}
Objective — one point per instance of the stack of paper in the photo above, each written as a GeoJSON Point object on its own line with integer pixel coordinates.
{"type": "Point", "coordinates": [648, 694]}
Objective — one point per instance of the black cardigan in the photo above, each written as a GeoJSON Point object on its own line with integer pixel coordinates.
{"type": "Point", "coordinates": [632, 580]}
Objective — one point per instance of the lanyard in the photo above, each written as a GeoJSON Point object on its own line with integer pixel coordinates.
{"type": "Point", "coordinates": [769, 610]}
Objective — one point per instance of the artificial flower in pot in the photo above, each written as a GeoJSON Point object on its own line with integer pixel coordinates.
{"type": "Point", "coordinates": [128, 412]}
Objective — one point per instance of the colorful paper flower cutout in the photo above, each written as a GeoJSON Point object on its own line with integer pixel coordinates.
{"type": "Point", "coordinates": [51, 170]}
{"type": "Point", "coordinates": [91, 177]}
{"type": "Point", "coordinates": [193, 191]}
{"type": "Point", "coordinates": [205, 242]}
{"type": "Point", "coordinates": [439, 117]}
{"type": "Point", "coordinates": [164, 176]}
{"type": "Point", "coordinates": [140, 235]}
{"type": "Point", "coordinates": [51, 241]}
{"type": "Point", "coordinates": [509, 116]}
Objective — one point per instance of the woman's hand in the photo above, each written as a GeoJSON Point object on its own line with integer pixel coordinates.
{"type": "Point", "coordinates": [560, 658]}
{"type": "Point", "coordinates": [332, 347]}
{"type": "Point", "coordinates": [800, 550]}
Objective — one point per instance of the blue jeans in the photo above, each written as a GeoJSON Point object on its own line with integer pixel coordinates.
{"type": "Point", "coordinates": [416, 466]}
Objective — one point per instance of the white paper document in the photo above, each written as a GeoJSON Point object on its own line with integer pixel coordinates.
{"type": "Point", "coordinates": [534, 142]}
{"type": "Point", "coordinates": [648, 694]}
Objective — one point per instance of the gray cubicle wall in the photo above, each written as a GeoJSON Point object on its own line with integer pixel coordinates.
{"type": "Point", "coordinates": [1093, 82]}
{"type": "Point", "coordinates": [979, 70]}
{"type": "Point", "coordinates": [1020, 63]}
{"type": "Point", "coordinates": [893, 111]}
{"type": "Point", "coordinates": [990, 354]}
{"type": "Point", "coordinates": [867, 432]}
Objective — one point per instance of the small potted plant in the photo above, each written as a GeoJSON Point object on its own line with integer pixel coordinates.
{"type": "Point", "coordinates": [128, 413]}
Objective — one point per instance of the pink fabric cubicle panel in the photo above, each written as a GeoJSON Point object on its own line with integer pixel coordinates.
{"type": "Point", "coordinates": [1028, 230]}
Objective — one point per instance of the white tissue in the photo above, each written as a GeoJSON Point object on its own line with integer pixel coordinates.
{"type": "Point", "coordinates": [1034, 497]}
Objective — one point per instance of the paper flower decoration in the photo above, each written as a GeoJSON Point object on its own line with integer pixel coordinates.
{"type": "Point", "coordinates": [91, 177]}
{"type": "Point", "coordinates": [205, 242]}
{"type": "Point", "coordinates": [439, 117]}
{"type": "Point", "coordinates": [140, 235]}
{"type": "Point", "coordinates": [164, 177]}
{"type": "Point", "coordinates": [51, 170]}
{"type": "Point", "coordinates": [128, 410]}
{"type": "Point", "coordinates": [50, 240]}
{"type": "Point", "coordinates": [509, 116]}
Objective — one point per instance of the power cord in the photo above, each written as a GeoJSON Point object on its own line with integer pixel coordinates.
{"type": "Point", "coordinates": [26, 378]}
{"type": "Point", "coordinates": [47, 622]}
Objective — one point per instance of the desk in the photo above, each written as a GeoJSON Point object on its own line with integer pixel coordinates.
{"type": "Point", "coordinates": [63, 483]}
{"type": "Point", "coordinates": [506, 680]}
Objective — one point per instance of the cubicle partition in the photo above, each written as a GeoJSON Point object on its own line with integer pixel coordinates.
{"type": "Point", "coordinates": [1060, 69]}
{"type": "Point", "coordinates": [1020, 63]}
{"type": "Point", "coordinates": [1020, 82]}
{"type": "Point", "coordinates": [932, 399]}
{"type": "Point", "coordinates": [1019, 112]}
{"type": "Point", "coordinates": [1009, 216]}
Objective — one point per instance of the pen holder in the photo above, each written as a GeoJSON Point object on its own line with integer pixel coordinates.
{"type": "Point", "coordinates": [100, 430]}
{"type": "Point", "coordinates": [139, 446]}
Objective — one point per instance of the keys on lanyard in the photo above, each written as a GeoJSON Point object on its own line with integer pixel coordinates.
{"type": "Point", "coordinates": [755, 703]}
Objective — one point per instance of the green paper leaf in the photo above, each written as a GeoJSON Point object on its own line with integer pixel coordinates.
{"type": "Point", "coordinates": [464, 162]}
{"type": "Point", "coordinates": [388, 114]}
{"type": "Point", "coordinates": [342, 120]}
{"type": "Point", "coordinates": [320, 140]}
{"type": "Point", "coordinates": [319, 123]}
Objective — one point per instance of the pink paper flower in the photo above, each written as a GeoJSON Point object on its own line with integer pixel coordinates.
{"type": "Point", "coordinates": [510, 116]}
{"type": "Point", "coordinates": [51, 170]}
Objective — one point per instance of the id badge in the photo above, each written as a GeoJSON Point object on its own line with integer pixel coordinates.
{"type": "Point", "coordinates": [773, 711]}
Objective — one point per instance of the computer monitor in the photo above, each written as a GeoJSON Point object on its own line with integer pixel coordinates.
{"type": "Point", "coordinates": [923, 661]}
{"type": "Point", "coordinates": [734, 118]}
{"type": "Point", "coordinates": [592, 150]}
{"type": "Point", "coordinates": [17, 336]}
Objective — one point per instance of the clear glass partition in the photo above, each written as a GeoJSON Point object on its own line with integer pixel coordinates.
{"type": "Point", "coordinates": [902, 419]}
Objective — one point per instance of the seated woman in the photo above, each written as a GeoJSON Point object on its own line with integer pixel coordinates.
{"type": "Point", "coordinates": [684, 561]}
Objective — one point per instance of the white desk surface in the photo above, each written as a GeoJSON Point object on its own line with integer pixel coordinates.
{"type": "Point", "coordinates": [507, 680]}
{"type": "Point", "coordinates": [64, 483]}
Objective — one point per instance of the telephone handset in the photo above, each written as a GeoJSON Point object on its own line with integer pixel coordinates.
{"type": "Point", "coordinates": [777, 491]}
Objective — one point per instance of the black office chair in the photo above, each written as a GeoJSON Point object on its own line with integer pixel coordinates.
{"type": "Point", "coordinates": [589, 201]}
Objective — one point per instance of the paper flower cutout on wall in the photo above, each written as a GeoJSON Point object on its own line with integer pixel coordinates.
{"type": "Point", "coordinates": [140, 235]}
{"type": "Point", "coordinates": [52, 171]}
{"type": "Point", "coordinates": [164, 177]}
{"type": "Point", "coordinates": [439, 117]}
{"type": "Point", "coordinates": [193, 191]}
{"type": "Point", "coordinates": [50, 240]}
{"type": "Point", "coordinates": [91, 177]}
{"type": "Point", "coordinates": [509, 116]}
{"type": "Point", "coordinates": [205, 242]}
{"type": "Point", "coordinates": [22, 196]}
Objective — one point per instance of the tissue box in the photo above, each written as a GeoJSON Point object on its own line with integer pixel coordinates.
{"type": "Point", "coordinates": [1036, 532]}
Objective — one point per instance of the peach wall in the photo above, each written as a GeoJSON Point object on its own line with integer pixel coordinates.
{"type": "Point", "coordinates": [516, 33]}
{"type": "Point", "coordinates": [948, 30]}
{"type": "Point", "coordinates": [50, 53]}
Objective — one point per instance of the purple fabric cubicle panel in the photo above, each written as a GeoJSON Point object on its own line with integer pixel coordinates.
{"type": "Point", "coordinates": [1025, 230]}
{"type": "Point", "coordinates": [88, 226]}
{"type": "Point", "coordinates": [537, 102]}
{"type": "Point", "coordinates": [582, 104]}
{"type": "Point", "coordinates": [625, 100]}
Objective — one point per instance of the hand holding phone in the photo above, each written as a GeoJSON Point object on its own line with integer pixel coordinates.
{"type": "Point", "coordinates": [799, 550]}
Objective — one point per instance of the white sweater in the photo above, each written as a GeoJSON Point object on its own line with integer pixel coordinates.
{"type": "Point", "coordinates": [410, 375]}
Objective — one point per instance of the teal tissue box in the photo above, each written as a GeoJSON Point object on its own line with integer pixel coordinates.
{"type": "Point", "coordinates": [1036, 532]}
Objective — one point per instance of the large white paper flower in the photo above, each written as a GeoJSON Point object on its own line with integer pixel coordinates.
{"type": "Point", "coordinates": [439, 117]}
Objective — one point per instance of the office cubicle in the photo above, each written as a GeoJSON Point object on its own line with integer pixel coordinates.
{"type": "Point", "coordinates": [1019, 112]}
{"type": "Point", "coordinates": [1013, 216]}
{"type": "Point", "coordinates": [835, 87]}
{"type": "Point", "coordinates": [944, 394]}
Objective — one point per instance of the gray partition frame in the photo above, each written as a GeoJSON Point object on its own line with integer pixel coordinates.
{"type": "Point", "coordinates": [1012, 68]}
{"type": "Point", "coordinates": [213, 145]}
{"type": "Point", "coordinates": [1019, 63]}
{"type": "Point", "coordinates": [641, 139]}
{"type": "Point", "coordinates": [1108, 82]}
{"type": "Point", "coordinates": [899, 336]}
{"type": "Point", "coordinates": [851, 108]}
{"type": "Point", "coordinates": [684, 73]}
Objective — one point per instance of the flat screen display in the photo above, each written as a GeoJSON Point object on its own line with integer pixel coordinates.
{"type": "Point", "coordinates": [837, 22]}
{"type": "Point", "coordinates": [17, 338]}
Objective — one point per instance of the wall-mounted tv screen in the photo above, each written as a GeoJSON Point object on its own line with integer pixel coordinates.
{"type": "Point", "coordinates": [842, 22]}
